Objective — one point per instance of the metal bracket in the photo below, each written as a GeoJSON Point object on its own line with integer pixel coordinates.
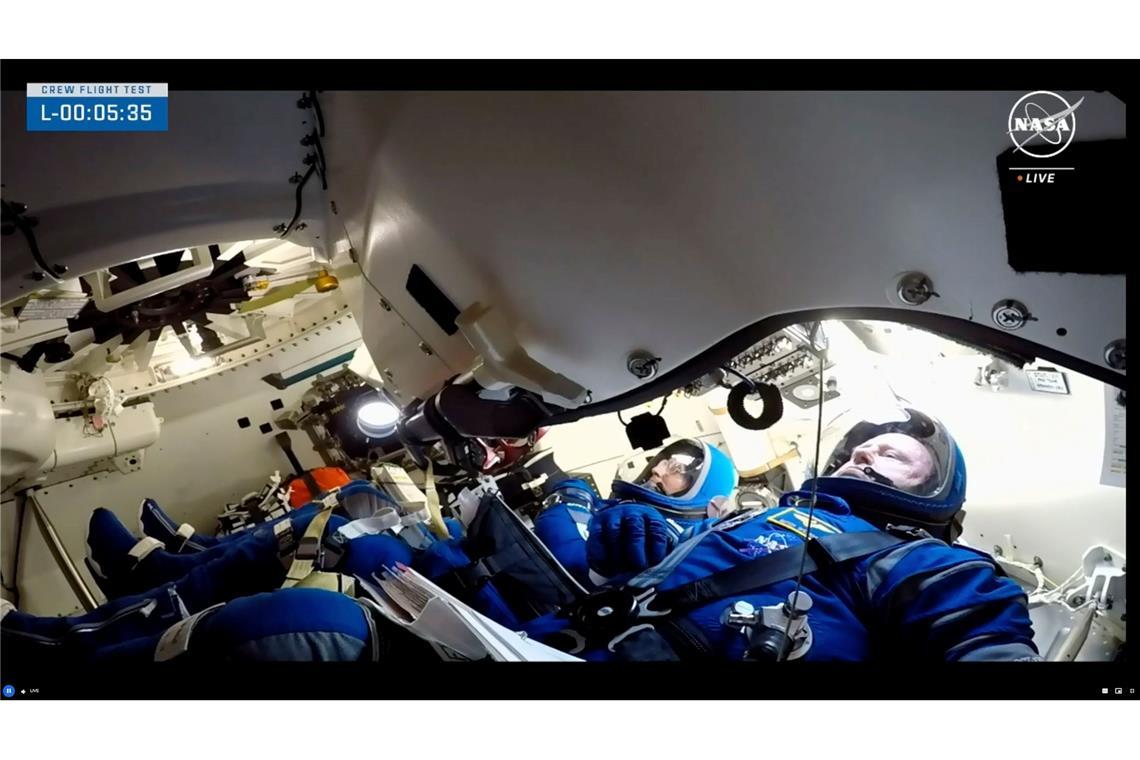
{"type": "Point", "coordinates": [105, 301]}
{"type": "Point", "coordinates": [59, 553]}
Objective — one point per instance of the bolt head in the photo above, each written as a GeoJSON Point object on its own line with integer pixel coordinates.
{"type": "Point", "coordinates": [1114, 354]}
{"type": "Point", "coordinates": [915, 289]}
{"type": "Point", "coordinates": [1010, 314]}
{"type": "Point", "coordinates": [642, 365]}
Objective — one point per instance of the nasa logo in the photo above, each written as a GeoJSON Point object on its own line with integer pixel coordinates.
{"type": "Point", "coordinates": [1042, 123]}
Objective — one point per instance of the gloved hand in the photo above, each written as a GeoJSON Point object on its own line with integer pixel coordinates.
{"type": "Point", "coordinates": [628, 538]}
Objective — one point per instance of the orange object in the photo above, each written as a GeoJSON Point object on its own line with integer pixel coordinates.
{"type": "Point", "coordinates": [326, 478]}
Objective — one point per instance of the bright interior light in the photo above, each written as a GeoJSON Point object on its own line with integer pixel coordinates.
{"type": "Point", "coordinates": [188, 365]}
{"type": "Point", "coordinates": [377, 418]}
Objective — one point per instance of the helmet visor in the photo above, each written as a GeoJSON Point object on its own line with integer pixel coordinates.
{"type": "Point", "coordinates": [675, 470]}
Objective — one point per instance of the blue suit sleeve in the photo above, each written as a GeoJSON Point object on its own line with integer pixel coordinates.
{"type": "Point", "coordinates": [931, 601]}
{"type": "Point", "coordinates": [563, 529]}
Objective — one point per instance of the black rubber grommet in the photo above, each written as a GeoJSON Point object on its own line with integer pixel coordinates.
{"type": "Point", "coordinates": [773, 406]}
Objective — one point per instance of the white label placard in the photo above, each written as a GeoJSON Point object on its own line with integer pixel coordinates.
{"type": "Point", "coordinates": [1048, 381]}
{"type": "Point", "coordinates": [1112, 471]}
{"type": "Point", "coordinates": [53, 308]}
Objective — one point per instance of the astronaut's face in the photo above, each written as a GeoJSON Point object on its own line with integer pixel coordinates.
{"type": "Point", "coordinates": [668, 477]}
{"type": "Point", "coordinates": [895, 456]}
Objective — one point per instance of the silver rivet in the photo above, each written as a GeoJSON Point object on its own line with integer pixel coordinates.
{"type": "Point", "coordinates": [604, 611]}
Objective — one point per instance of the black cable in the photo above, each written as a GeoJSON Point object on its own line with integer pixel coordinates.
{"type": "Point", "coordinates": [11, 216]}
{"type": "Point", "coordinates": [741, 375]}
{"type": "Point", "coordinates": [317, 110]}
{"type": "Point", "coordinates": [784, 652]}
{"type": "Point", "coordinates": [297, 210]}
{"type": "Point", "coordinates": [322, 168]}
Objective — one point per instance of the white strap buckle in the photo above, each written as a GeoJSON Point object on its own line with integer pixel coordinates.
{"type": "Point", "coordinates": [144, 547]}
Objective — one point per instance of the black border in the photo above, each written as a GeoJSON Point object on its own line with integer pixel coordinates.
{"type": "Point", "coordinates": [713, 680]}
{"type": "Point", "coordinates": [594, 74]}
{"type": "Point", "coordinates": [653, 681]}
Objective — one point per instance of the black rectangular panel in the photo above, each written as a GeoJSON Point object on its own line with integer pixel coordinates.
{"type": "Point", "coordinates": [428, 295]}
{"type": "Point", "coordinates": [1066, 213]}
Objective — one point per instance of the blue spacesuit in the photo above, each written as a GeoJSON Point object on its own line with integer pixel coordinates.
{"type": "Point", "coordinates": [682, 585]}
{"type": "Point", "coordinates": [659, 571]}
{"type": "Point", "coordinates": [223, 595]}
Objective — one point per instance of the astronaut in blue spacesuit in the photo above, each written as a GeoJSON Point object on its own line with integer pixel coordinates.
{"type": "Point", "coordinates": [226, 594]}
{"type": "Point", "coordinates": [879, 581]}
{"type": "Point", "coordinates": [672, 577]}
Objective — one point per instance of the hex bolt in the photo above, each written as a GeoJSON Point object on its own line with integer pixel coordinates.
{"type": "Point", "coordinates": [1037, 562]}
{"type": "Point", "coordinates": [997, 550]}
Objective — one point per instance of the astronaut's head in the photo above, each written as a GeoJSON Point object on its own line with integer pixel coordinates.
{"type": "Point", "coordinates": [902, 465]}
{"type": "Point", "coordinates": [903, 461]}
{"type": "Point", "coordinates": [683, 479]}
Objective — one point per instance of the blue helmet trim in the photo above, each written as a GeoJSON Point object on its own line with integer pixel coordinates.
{"type": "Point", "coordinates": [717, 478]}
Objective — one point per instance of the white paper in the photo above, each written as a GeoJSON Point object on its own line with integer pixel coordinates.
{"type": "Point", "coordinates": [1112, 469]}
{"type": "Point", "coordinates": [385, 519]}
{"type": "Point", "coordinates": [447, 621]}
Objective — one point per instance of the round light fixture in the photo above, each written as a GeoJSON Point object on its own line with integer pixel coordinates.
{"type": "Point", "coordinates": [806, 392]}
{"type": "Point", "coordinates": [377, 418]}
